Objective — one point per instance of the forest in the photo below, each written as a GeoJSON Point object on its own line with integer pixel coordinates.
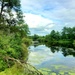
{"type": "Point", "coordinates": [65, 38]}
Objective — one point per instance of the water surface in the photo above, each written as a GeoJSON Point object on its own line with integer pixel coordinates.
{"type": "Point", "coordinates": [59, 60]}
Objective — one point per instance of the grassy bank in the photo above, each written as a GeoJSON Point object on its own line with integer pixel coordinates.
{"type": "Point", "coordinates": [18, 69]}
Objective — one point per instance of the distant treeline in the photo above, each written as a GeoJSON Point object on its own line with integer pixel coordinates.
{"type": "Point", "coordinates": [64, 38]}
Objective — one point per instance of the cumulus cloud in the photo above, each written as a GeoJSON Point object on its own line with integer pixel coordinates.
{"type": "Point", "coordinates": [35, 21]}
{"type": "Point", "coordinates": [38, 23]}
{"type": "Point", "coordinates": [57, 9]}
{"type": "Point", "coordinates": [59, 12]}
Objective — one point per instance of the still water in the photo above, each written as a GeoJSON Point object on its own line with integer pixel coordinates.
{"type": "Point", "coordinates": [53, 60]}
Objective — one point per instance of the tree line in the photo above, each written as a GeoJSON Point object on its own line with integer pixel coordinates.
{"type": "Point", "coordinates": [64, 38]}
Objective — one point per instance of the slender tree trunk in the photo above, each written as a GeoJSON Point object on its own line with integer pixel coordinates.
{"type": "Point", "coordinates": [2, 6]}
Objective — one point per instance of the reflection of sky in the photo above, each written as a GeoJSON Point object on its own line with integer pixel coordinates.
{"type": "Point", "coordinates": [41, 56]}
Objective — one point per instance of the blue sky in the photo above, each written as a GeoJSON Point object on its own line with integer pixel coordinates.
{"type": "Point", "coordinates": [42, 16]}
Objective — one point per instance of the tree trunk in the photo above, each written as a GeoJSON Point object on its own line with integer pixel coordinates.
{"type": "Point", "coordinates": [2, 6]}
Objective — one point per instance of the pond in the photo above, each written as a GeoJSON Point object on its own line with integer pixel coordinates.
{"type": "Point", "coordinates": [53, 60]}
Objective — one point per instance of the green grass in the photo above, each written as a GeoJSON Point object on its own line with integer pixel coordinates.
{"type": "Point", "coordinates": [18, 69]}
{"type": "Point", "coordinates": [15, 70]}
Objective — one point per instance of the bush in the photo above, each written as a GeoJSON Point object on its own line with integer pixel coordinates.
{"type": "Point", "coordinates": [13, 47]}
{"type": "Point", "coordinates": [74, 43]}
{"type": "Point", "coordinates": [26, 41]}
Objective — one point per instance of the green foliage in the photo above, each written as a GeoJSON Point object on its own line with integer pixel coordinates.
{"type": "Point", "coordinates": [27, 41]}
{"type": "Point", "coordinates": [24, 30]}
{"type": "Point", "coordinates": [6, 7]}
{"type": "Point", "coordinates": [38, 38]}
{"type": "Point", "coordinates": [18, 69]}
{"type": "Point", "coordinates": [13, 38]}
{"type": "Point", "coordinates": [12, 46]}
{"type": "Point", "coordinates": [64, 38]}
{"type": "Point", "coordinates": [13, 34]}
{"type": "Point", "coordinates": [68, 33]}
{"type": "Point", "coordinates": [65, 43]}
{"type": "Point", "coordinates": [74, 43]}
{"type": "Point", "coordinates": [41, 39]}
{"type": "Point", "coordinates": [35, 37]}
{"type": "Point", "coordinates": [4, 47]}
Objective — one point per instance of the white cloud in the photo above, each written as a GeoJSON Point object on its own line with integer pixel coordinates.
{"type": "Point", "coordinates": [38, 24]}
{"type": "Point", "coordinates": [54, 9]}
{"type": "Point", "coordinates": [37, 21]}
{"type": "Point", "coordinates": [59, 12]}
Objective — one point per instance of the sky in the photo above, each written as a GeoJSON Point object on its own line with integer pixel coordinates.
{"type": "Point", "coordinates": [43, 16]}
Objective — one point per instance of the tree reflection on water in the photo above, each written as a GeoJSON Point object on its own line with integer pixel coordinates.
{"type": "Point", "coordinates": [65, 51]}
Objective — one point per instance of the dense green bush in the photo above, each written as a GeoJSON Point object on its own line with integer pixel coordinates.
{"type": "Point", "coordinates": [26, 41]}
{"type": "Point", "coordinates": [74, 43]}
{"type": "Point", "coordinates": [12, 46]}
